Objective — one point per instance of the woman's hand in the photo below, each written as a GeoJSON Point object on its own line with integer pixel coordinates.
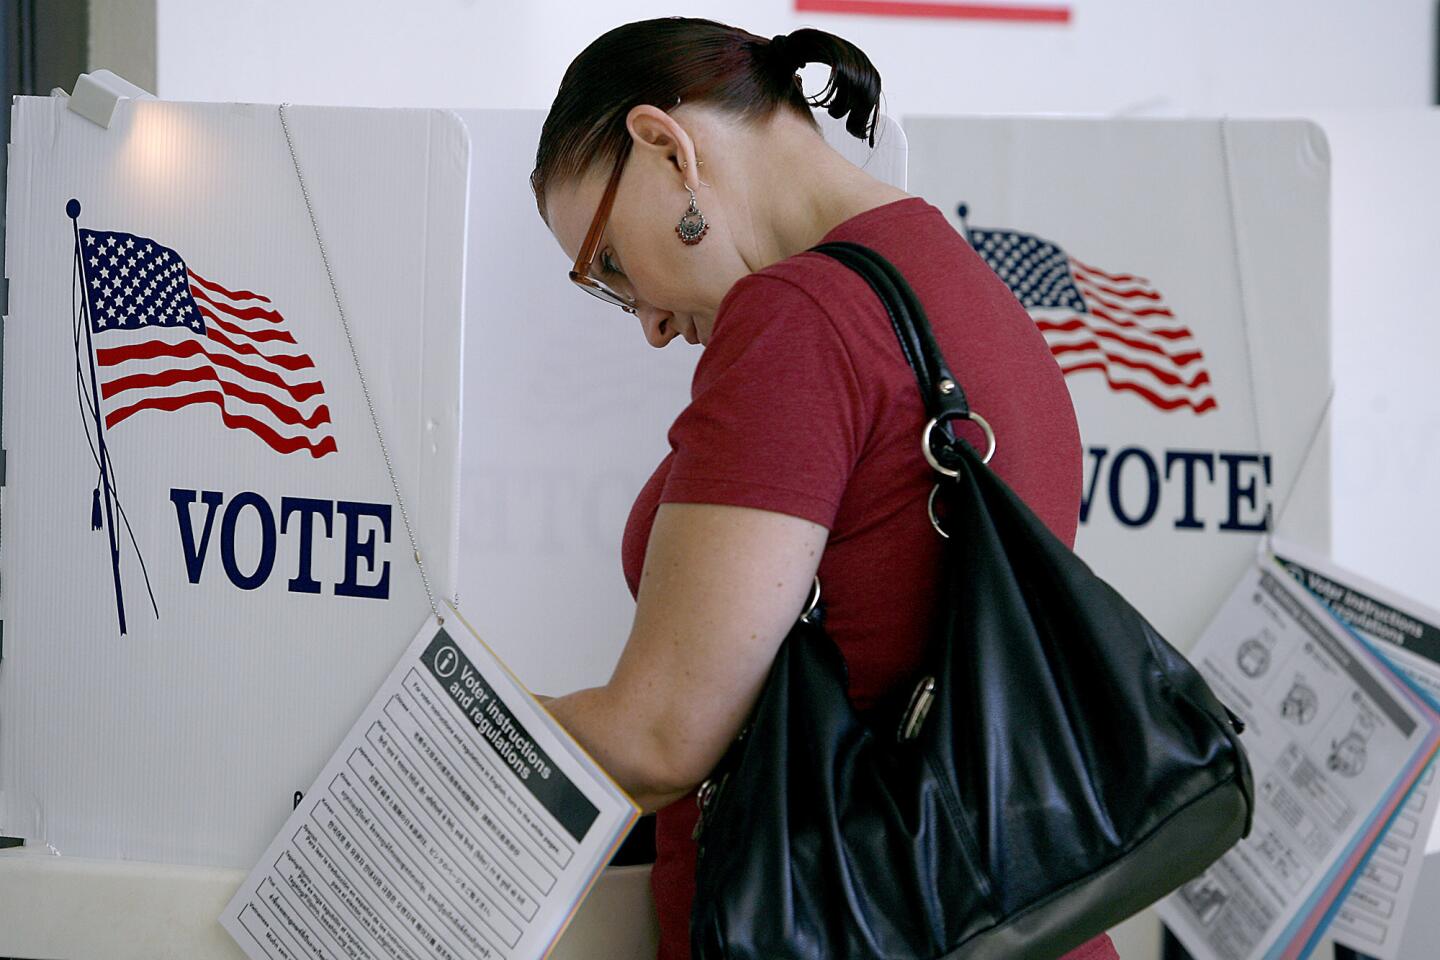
{"type": "Point", "coordinates": [721, 588]}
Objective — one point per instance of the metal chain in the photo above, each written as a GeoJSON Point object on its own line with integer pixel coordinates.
{"type": "Point", "coordinates": [355, 356]}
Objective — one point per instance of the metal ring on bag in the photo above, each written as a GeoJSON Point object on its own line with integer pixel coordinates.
{"type": "Point", "coordinates": [812, 601]}
{"type": "Point", "coordinates": [934, 521]}
{"type": "Point", "coordinates": [930, 454]}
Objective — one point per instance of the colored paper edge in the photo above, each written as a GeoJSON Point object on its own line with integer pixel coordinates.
{"type": "Point", "coordinates": [953, 11]}
{"type": "Point", "coordinates": [1322, 921]}
{"type": "Point", "coordinates": [594, 879]}
{"type": "Point", "coordinates": [620, 835]}
{"type": "Point", "coordinates": [1395, 797]}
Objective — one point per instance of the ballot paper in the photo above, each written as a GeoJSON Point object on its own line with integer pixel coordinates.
{"type": "Point", "coordinates": [1372, 918]}
{"type": "Point", "coordinates": [456, 820]}
{"type": "Point", "coordinates": [1337, 738]}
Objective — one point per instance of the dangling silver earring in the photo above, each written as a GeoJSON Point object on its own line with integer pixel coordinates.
{"type": "Point", "coordinates": [692, 226]}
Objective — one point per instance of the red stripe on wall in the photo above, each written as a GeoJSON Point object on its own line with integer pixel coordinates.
{"type": "Point", "coordinates": [954, 11]}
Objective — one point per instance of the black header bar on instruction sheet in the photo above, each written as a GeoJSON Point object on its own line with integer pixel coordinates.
{"type": "Point", "coordinates": [506, 736]}
{"type": "Point", "coordinates": [1362, 678]}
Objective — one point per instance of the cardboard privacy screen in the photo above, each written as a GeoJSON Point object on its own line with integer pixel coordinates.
{"type": "Point", "coordinates": [1180, 272]}
{"type": "Point", "coordinates": [206, 572]}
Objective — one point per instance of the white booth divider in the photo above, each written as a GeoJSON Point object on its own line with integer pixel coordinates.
{"type": "Point", "coordinates": [206, 572]}
{"type": "Point", "coordinates": [1179, 270]}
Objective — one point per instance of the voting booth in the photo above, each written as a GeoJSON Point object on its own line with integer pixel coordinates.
{"type": "Point", "coordinates": [196, 611]}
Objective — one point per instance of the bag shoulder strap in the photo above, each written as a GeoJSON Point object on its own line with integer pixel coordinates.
{"type": "Point", "coordinates": [941, 393]}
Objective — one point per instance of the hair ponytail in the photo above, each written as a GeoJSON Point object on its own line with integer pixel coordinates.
{"type": "Point", "coordinates": [686, 60]}
{"type": "Point", "coordinates": [853, 90]}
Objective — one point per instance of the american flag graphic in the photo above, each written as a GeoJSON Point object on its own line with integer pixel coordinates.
{"type": "Point", "coordinates": [1116, 324]}
{"type": "Point", "coordinates": [166, 338]}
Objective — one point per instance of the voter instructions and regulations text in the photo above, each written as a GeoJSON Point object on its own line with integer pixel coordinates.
{"type": "Point", "coordinates": [457, 820]}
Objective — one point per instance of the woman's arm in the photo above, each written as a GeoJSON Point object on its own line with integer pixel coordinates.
{"type": "Point", "coordinates": [721, 588]}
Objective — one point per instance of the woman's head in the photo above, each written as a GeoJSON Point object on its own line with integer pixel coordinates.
{"type": "Point", "coordinates": [680, 106]}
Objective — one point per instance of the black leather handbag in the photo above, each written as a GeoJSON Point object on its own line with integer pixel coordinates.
{"type": "Point", "coordinates": [1057, 767]}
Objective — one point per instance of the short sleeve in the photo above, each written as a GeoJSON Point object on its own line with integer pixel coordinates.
{"type": "Point", "coordinates": [776, 419]}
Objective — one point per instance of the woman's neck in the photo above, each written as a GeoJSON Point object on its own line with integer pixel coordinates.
{"type": "Point", "coordinates": [801, 193]}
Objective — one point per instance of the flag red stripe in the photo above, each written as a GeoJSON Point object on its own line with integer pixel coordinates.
{"type": "Point", "coordinates": [1179, 359]}
{"type": "Point", "coordinates": [242, 313]}
{"type": "Point", "coordinates": [958, 11]}
{"type": "Point", "coordinates": [1113, 277]}
{"type": "Point", "coordinates": [232, 294]}
{"type": "Point", "coordinates": [259, 336]}
{"type": "Point", "coordinates": [285, 361]}
{"type": "Point", "coordinates": [110, 356]}
{"type": "Point", "coordinates": [1127, 294]}
{"type": "Point", "coordinates": [1107, 315]}
{"type": "Point", "coordinates": [168, 378]}
{"type": "Point", "coordinates": [1076, 323]}
{"type": "Point", "coordinates": [235, 421]}
{"type": "Point", "coordinates": [1164, 376]}
{"type": "Point", "coordinates": [1092, 294]}
{"type": "Point", "coordinates": [1162, 402]}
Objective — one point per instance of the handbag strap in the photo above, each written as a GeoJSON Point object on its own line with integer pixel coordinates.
{"type": "Point", "coordinates": [941, 393]}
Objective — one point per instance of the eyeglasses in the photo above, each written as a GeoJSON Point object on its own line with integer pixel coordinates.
{"type": "Point", "coordinates": [580, 274]}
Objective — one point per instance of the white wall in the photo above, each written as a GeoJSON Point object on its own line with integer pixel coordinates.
{"type": "Point", "coordinates": [1386, 348]}
{"type": "Point", "coordinates": [1194, 56]}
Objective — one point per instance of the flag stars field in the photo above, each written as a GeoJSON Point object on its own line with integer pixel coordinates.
{"type": "Point", "coordinates": [195, 342]}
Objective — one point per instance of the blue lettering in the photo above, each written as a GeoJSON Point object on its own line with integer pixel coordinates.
{"type": "Point", "coordinates": [1237, 490]}
{"type": "Point", "coordinates": [1188, 458]}
{"type": "Point", "coordinates": [309, 509]}
{"type": "Point", "coordinates": [261, 573]}
{"type": "Point", "coordinates": [194, 558]}
{"type": "Point", "coordinates": [1088, 494]}
{"type": "Point", "coordinates": [1152, 493]}
{"type": "Point", "coordinates": [361, 542]}
{"type": "Point", "coordinates": [357, 549]}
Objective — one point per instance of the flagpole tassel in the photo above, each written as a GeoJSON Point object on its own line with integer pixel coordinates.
{"type": "Point", "coordinates": [95, 510]}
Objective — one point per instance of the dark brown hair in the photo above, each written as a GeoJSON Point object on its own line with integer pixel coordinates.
{"type": "Point", "coordinates": [680, 59]}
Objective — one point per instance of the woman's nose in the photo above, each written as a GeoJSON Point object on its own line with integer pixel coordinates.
{"type": "Point", "coordinates": [658, 324]}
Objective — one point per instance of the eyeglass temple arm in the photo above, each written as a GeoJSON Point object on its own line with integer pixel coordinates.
{"type": "Point", "coordinates": [602, 216]}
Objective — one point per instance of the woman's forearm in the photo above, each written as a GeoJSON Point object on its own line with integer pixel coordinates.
{"type": "Point", "coordinates": [628, 752]}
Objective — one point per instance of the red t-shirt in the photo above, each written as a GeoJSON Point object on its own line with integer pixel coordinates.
{"type": "Point", "coordinates": [803, 404]}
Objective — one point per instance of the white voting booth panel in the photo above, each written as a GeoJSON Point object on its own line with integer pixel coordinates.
{"type": "Point", "coordinates": [238, 446]}
{"type": "Point", "coordinates": [244, 485]}
{"type": "Point", "coordinates": [567, 409]}
{"type": "Point", "coordinates": [1180, 272]}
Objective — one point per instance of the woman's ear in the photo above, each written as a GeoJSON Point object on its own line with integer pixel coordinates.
{"type": "Point", "coordinates": [659, 135]}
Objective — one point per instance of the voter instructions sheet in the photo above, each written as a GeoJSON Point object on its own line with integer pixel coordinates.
{"type": "Point", "coordinates": [1337, 740]}
{"type": "Point", "coordinates": [457, 820]}
{"type": "Point", "coordinates": [1372, 919]}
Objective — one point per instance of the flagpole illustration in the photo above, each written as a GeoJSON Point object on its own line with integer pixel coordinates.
{"type": "Point", "coordinates": [73, 210]}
